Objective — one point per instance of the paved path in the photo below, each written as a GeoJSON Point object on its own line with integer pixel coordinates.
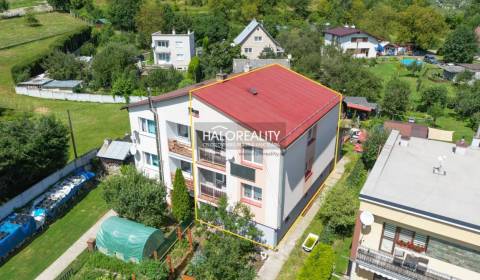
{"type": "Point", "coordinates": [272, 266]}
{"type": "Point", "coordinates": [72, 253]}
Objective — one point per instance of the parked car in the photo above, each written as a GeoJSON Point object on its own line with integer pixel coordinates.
{"type": "Point", "coordinates": [430, 59]}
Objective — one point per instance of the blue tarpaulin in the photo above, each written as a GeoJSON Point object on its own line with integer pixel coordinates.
{"type": "Point", "coordinates": [13, 231]}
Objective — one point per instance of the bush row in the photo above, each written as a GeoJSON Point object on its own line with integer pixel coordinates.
{"type": "Point", "coordinates": [23, 70]}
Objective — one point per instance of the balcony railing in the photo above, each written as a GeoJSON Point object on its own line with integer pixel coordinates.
{"type": "Point", "coordinates": [211, 192]}
{"type": "Point", "coordinates": [212, 156]}
{"type": "Point", "coordinates": [180, 148]}
{"type": "Point", "coordinates": [384, 263]}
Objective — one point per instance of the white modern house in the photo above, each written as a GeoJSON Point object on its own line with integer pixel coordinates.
{"type": "Point", "coordinates": [254, 38]}
{"type": "Point", "coordinates": [173, 50]}
{"type": "Point", "coordinates": [266, 138]}
{"type": "Point", "coordinates": [353, 40]}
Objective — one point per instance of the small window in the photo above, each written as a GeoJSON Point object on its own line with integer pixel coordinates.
{"type": "Point", "coordinates": [258, 38]}
{"type": "Point", "coordinates": [251, 192]}
{"type": "Point", "coordinates": [151, 159]}
{"type": "Point", "coordinates": [247, 50]}
{"type": "Point", "coordinates": [147, 126]}
{"type": "Point", "coordinates": [162, 43]}
{"type": "Point", "coordinates": [179, 44]}
{"type": "Point", "coordinates": [164, 57]}
{"type": "Point", "coordinates": [253, 154]}
{"type": "Point", "coordinates": [180, 56]}
{"type": "Point", "coordinates": [186, 166]}
{"type": "Point", "coordinates": [183, 131]}
{"type": "Point", "coordinates": [388, 238]}
{"type": "Point", "coordinates": [311, 134]}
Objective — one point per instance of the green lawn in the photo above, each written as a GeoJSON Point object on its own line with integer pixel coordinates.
{"type": "Point", "coordinates": [92, 122]}
{"type": "Point", "coordinates": [14, 31]}
{"type": "Point", "coordinates": [52, 243]}
{"type": "Point", "coordinates": [13, 4]}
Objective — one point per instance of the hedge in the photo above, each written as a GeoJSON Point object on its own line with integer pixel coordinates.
{"type": "Point", "coordinates": [319, 264]}
{"type": "Point", "coordinates": [23, 70]}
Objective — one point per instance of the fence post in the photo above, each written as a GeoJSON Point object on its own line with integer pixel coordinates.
{"type": "Point", "coordinates": [190, 241]}
{"type": "Point", "coordinates": [170, 265]}
{"type": "Point", "coordinates": [133, 276]}
{"type": "Point", "coordinates": [179, 233]}
{"type": "Point", "coordinates": [155, 255]}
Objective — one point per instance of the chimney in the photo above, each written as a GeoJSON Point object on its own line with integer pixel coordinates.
{"type": "Point", "coordinates": [252, 91]}
{"type": "Point", "coordinates": [188, 31]}
{"type": "Point", "coordinates": [460, 147]}
{"type": "Point", "coordinates": [221, 76]}
{"type": "Point", "coordinates": [247, 67]}
{"type": "Point", "coordinates": [404, 141]}
{"type": "Point", "coordinates": [173, 31]}
{"type": "Point", "coordinates": [346, 26]}
{"type": "Point", "coordinates": [476, 140]}
{"type": "Point", "coordinates": [353, 26]}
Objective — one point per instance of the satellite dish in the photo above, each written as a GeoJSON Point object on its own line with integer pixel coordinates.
{"type": "Point", "coordinates": [133, 149]}
{"type": "Point", "coordinates": [366, 218]}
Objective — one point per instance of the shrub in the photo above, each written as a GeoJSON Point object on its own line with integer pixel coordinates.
{"type": "Point", "coordinates": [152, 270]}
{"type": "Point", "coordinates": [136, 197]}
{"type": "Point", "coordinates": [87, 49]}
{"type": "Point", "coordinates": [357, 177]}
{"type": "Point", "coordinates": [31, 20]}
{"type": "Point", "coordinates": [372, 147]}
{"type": "Point", "coordinates": [338, 211]}
{"type": "Point", "coordinates": [67, 43]}
{"type": "Point", "coordinates": [181, 200]}
{"type": "Point", "coordinates": [319, 264]}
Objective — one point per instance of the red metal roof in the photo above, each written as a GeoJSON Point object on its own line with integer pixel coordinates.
{"type": "Point", "coordinates": [285, 101]}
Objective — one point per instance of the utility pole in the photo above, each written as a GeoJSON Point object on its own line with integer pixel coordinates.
{"type": "Point", "coordinates": [157, 135]}
{"type": "Point", "coordinates": [71, 134]}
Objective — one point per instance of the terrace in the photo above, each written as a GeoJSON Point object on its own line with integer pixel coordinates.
{"type": "Point", "coordinates": [395, 267]}
{"type": "Point", "coordinates": [212, 185]}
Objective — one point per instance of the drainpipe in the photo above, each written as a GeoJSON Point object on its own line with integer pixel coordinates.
{"type": "Point", "coordinates": [282, 189]}
{"type": "Point", "coordinates": [157, 135]}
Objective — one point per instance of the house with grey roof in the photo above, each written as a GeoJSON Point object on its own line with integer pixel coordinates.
{"type": "Point", "coordinates": [254, 39]}
{"type": "Point", "coordinates": [357, 42]}
{"type": "Point", "coordinates": [244, 64]}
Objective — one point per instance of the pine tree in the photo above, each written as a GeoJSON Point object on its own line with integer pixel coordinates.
{"type": "Point", "coordinates": [181, 200]}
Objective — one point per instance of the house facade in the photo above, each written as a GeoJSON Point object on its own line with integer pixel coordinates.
{"type": "Point", "coordinates": [245, 140]}
{"type": "Point", "coordinates": [353, 40]}
{"type": "Point", "coordinates": [173, 50]}
{"type": "Point", "coordinates": [417, 217]}
{"type": "Point", "coordinates": [254, 39]}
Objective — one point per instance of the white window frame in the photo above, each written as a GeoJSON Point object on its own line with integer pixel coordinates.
{"type": "Point", "coordinates": [144, 125]}
{"type": "Point", "coordinates": [163, 43]}
{"type": "Point", "coordinates": [252, 192]}
{"type": "Point", "coordinates": [254, 157]}
{"type": "Point", "coordinates": [149, 159]}
{"type": "Point", "coordinates": [180, 137]}
{"type": "Point", "coordinates": [248, 50]}
{"type": "Point", "coordinates": [258, 38]}
{"type": "Point", "coordinates": [179, 44]}
{"type": "Point", "coordinates": [185, 171]}
{"type": "Point", "coordinates": [166, 57]}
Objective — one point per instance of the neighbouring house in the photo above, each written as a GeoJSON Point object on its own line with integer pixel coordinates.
{"type": "Point", "coordinates": [42, 83]}
{"type": "Point", "coordinates": [254, 39]}
{"type": "Point", "coordinates": [388, 48]}
{"type": "Point", "coordinates": [450, 71]}
{"type": "Point", "coordinates": [114, 154]}
{"type": "Point", "coordinates": [266, 138]}
{"type": "Point", "coordinates": [173, 50]}
{"type": "Point", "coordinates": [357, 106]}
{"type": "Point", "coordinates": [472, 67]}
{"type": "Point", "coordinates": [353, 40]}
{"type": "Point", "coordinates": [418, 216]}
{"type": "Point", "coordinates": [245, 65]}
{"type": "Point", "coordinates": [35, 83]}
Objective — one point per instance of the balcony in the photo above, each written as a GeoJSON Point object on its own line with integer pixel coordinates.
{"type": "Point", "coordinates": [212, 158]}
{"type": "Point", "coordinates": [179, 148]}
{"type": "Point", "coordinates": [211, 193]}
{"type": "Point", "coordinates": [188, 182]}
{"type": "Point", "coordinates": [387, 265]}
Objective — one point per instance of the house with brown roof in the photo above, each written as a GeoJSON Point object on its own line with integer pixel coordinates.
{"type": "Point", "coordinates": [353, 40]}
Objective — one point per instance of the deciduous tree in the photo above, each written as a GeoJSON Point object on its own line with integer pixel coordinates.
{"type": "Point", "coordinates": [373, 145]}
{"type": "Point", "coordinates": [433, 95]}
{"type": "Point", "coordinates": [396, 98]}
{"type": "Point", "coordinates": [62, 66]}
{"type": "Point", "coordinates": [123, 13]}
{"type": "Point", "coordinates": [461, 45]}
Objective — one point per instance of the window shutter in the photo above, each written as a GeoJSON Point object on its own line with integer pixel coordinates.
{"type": "Point", "coordinates": [420, 240]}
{"type": "Point", "coordinates": [389, 231]}
{"type": "Point", "coordinates": [405, 235]}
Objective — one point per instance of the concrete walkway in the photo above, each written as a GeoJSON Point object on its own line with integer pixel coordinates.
{"type": "Point", "coordinates": [272, 266]}
{"type": "Point", "coordinates": [57, 267]}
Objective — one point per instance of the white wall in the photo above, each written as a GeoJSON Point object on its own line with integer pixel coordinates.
{"type": "Point", "coordinates": [187, 49]}
{"type": "Point", "coordinates": [257, 47]}
{"type": "Point", "coordinates": [295, 158]}
{"type": "Point", "coordinates": [345, 43]}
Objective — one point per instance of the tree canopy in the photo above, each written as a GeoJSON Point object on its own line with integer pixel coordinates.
{"type": "Point", "coordinates": [396, 98]}
{"type": "Point", "coordinates": [62, 66]}
{"type": "Point", "coordinates": [123, 13]}
{"type": "Point", "coordinates": [460, 46]}
{"type": "Point", "coordinates": [182, 205]}
{"type": "Point", "coordinates": [376, 137]}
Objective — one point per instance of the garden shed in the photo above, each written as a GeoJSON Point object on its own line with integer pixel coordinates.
{"type": "Point", "coordinates": [127, 240]}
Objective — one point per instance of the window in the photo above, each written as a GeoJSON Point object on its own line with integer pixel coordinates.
{"type": "Point", "coordinates": [455, 254]}
{"type": "Point", "coordinates": [308, 168]}
{"type": "Point", "coordinates": [151, 159]}
{"type": "Point", "coordinates": [183, 131]}
{"type": "Point", "coordinates": [186, 166]}
{"type": "Point", "coordinates": [253, 154]}
{"type": "Point", "coordinates": [243, 172]}
{"type": "Point", "coordinates": [247, 50]}
{"type": "Point", "coordinates": [359, 39]}
{"type": "Point", "coordinates": [251, 192]}
{"type": "Point", "coordinates": [164, 57]}
{"type": "Point", "coordinates": [388, 238]}
{"type": "Point", "coordinates": [220, 180]}
{"type": "Point", "coordinates": [162, 43]}
{"type": "Point", "coordinates": [147, 126]}
{"type": "Point", "coordinates": [312, 132]}
{"type": "Point", "coordinates": [180, 56]}
{"type": "Point", "coordinates": [257, 38]}
{"type": "Point", "coordinates": [179, 44]}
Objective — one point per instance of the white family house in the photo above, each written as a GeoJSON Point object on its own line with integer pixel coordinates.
{"type": "Point", "coordinates": [353, 40]}
{"type": "Point", "coordinates": [173, 50]}
{"type": "Point", "coordinates": [254, 39]}
{"type": "Point", "coordinates": [266, 138]}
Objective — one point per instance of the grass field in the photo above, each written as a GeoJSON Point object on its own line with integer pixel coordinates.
{"type": "Point", "coordinates": [14, 31]}
{"type": "Point", "coordinates": [14, 4]}
{"type": "Point", "coordinates": [92, 122]}
{"type": "Point", "coordinates": [52, 243]}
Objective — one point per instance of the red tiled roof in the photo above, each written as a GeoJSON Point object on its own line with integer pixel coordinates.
{"type": "Point", "coordinates": [407, 129]}
{"type": "Point", "coordinates": [285, 100]}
